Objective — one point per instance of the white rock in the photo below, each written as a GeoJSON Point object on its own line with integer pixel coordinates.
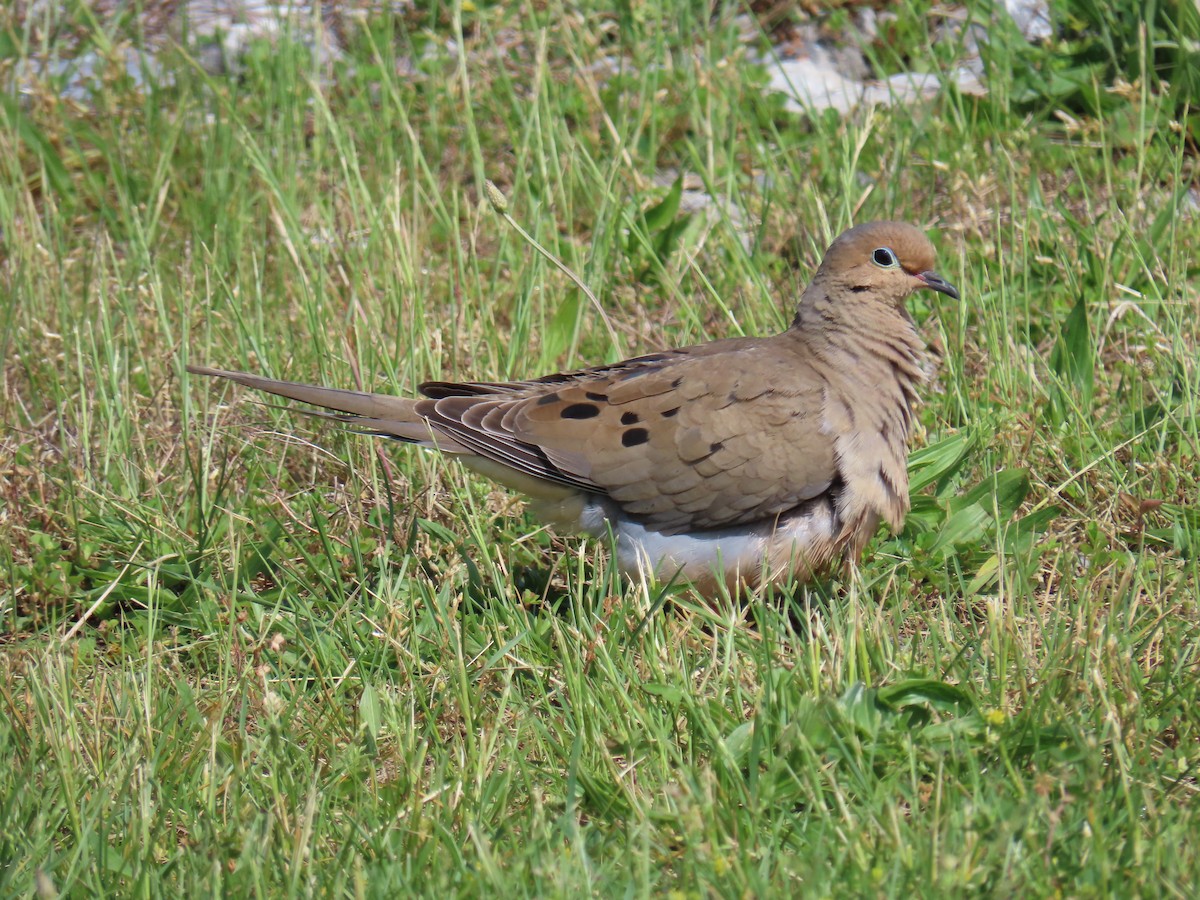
{"type": "Point", "coordinates": [1032, 18]}
{"type": "Point", "coordinates": [811, 85]}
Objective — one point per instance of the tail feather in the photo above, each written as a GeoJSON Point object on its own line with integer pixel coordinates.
{"type": "Point", "coordinates": [381, 414]}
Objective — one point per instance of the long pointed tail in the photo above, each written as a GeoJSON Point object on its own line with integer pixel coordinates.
{"type": "Point", "coordinates": [381, 414]}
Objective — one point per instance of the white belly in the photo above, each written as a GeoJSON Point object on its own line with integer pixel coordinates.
{"type": "Point", "coordinates": [795, 545]}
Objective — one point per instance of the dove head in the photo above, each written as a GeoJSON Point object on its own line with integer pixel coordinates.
{"type": "Point", "coordinates": [877, 262]}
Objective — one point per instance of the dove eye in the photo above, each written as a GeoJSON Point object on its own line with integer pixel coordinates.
{"type": "Point", "coordinates": [885, 258]}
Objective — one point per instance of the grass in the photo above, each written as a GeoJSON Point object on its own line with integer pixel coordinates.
{"type": "Point", "coordinates": [245, 653]}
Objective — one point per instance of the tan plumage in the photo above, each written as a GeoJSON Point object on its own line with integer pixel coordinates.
{"type": "Point", "coordinates": [735, 462]}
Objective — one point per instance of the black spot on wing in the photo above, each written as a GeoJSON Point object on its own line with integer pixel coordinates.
{"type": "Point", "coordinates": [580, 411]}
{"type": "Point", "coordinates": [635, 436]}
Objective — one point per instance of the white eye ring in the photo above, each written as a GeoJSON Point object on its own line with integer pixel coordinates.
{"type": "Point", "coordinates": [885, 258]}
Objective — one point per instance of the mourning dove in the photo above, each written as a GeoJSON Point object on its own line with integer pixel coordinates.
{"type": "Point", "coordinates": [735, 463]}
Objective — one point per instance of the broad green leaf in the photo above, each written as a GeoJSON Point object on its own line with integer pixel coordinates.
{"type": "Point", "coordinates": [965, 526]}
{"type": "Point", "coordinates": [1002, 493]}
{"type": "Point", "coordinates": [939, 460]}
{"type": "Point", "coordinates": [369, 712]}
{"type": "Point", "coordinates": [436, 530]}
{"type": "Point", "coordinates": [668, 692]}
{"type": "Point", "coordinates": [662, 214]}
{"type": "Point", "coordinates": [562, 328]}
{"type": "Point", "coordinates": [939, 694]}
{"type": "Point", "coordinates": [1073, 356]}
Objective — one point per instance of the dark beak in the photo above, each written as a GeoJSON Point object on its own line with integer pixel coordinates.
{"type": "Point", "coordinates": [938, 283]}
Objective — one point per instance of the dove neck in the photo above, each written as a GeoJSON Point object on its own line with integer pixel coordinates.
{"type": "Point", "coordinates": [841, 321]}
{"type": "Point", "coordinates": [858, 334]}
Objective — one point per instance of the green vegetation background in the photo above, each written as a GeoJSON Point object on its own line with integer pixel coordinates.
{"type": "Point", "coordinates": [246, 653]}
